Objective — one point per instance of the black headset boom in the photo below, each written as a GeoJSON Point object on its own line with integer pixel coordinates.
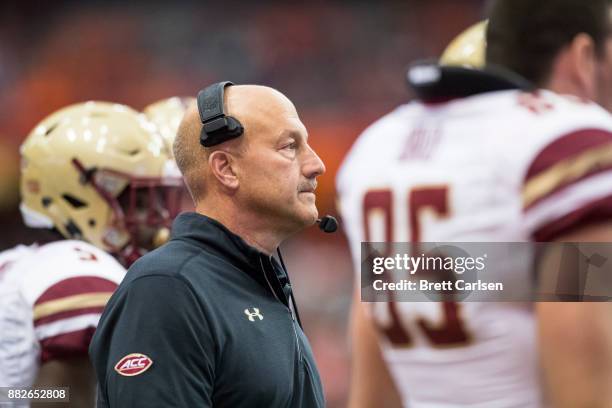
{"type": "Point", "coordinates": [217, 127]}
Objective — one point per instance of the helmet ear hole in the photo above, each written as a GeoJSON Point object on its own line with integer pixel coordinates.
{"type": "Point", "coordinates": [46, 201]}
{"type": "Point", "coordinates": [73, 230]}
{"type": "Point", "coordinates": [73, 201]}
{"type": "Point", "coordinates": [92, 222]}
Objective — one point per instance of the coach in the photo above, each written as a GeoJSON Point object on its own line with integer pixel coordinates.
{"type": "Point", "coordinates": [207, 320]}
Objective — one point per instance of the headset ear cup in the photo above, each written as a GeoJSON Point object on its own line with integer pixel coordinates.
{"type": "Point", "coordinates": [216, 126]}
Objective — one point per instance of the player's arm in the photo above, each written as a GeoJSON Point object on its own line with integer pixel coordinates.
{"type": "Point", "coordinates": [567, 198]}
{"type": "Point", "coordinates": [65, 316]}
{"type": "Point", "coordinates": [77, 373]}
{"type": "Point", "coordinates": [371, 383]}
{"type": "Point", "coordinates": [575, 339]}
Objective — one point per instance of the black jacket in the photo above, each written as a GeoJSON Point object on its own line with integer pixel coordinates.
{"type": "Point", "coordinates": [203, 322]}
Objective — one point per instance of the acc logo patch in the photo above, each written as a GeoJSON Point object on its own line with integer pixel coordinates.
{"type": "Point", "coordinates": [133, 364]}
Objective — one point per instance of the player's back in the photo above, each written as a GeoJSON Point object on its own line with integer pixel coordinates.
{"type": "Point", "coordinates": [51, 298]}
{"type": "Point", "coordinates": [478, 169]}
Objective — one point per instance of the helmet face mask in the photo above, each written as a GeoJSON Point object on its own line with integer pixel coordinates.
{"type": "Point", "coordinates": [141, 207]}
{"type": "Point", "coordinates": [99, 172]}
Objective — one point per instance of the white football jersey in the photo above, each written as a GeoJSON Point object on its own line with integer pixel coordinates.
{"type": "Point", "coordinates": [51, 298]}
{"type": "Point", "coordinates": [495, 167]}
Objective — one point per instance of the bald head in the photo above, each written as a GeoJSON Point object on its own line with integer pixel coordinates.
{"type": "Point", "coordinates": [255, 106]}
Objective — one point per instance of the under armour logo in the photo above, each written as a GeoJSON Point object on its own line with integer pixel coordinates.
{"type": "Point", "coordinates": [254, 314]}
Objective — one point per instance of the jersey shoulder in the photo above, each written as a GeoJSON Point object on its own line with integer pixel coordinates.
{"type": "Point", "coordinates": [63, 288]}
{"type": "Point", "coordinates": [74, 265]}
{"type": "Point", "coordinates": [519, 129]}
{"type": "Point", "coordinates": [12, 256]}
{"type": "Point", "coordinates": [536, 118]}
{"type": "Point", "coordinates": [565, 169]}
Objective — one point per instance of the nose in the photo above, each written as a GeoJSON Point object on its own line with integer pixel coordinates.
{"type": "Point", "coordinates": [313, 165]}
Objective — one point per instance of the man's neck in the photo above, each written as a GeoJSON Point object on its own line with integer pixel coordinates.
{"type": "Point", "coordinates": [253, 231]}
{"type": "Point", "coordinates": [563, 86]}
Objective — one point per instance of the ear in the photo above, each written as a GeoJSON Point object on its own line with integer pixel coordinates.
{"type": "Point", "coordinates": [582, 57]}
{"type": "Point", "coordinates": [221, 166]}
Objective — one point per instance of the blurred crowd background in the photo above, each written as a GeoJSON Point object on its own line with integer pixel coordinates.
{"type": "Point", "coordinates": [342, 64]}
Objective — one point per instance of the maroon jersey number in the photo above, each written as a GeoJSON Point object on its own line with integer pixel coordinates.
{"type": "Point", "coordinates": [451, 331]}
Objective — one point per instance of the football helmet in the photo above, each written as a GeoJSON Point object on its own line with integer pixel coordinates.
{"type": "Point", "coordinates": [468, 48]}
{"type": "Point", "coordinates": [167, 114]}
{"type": "Point", "coordinates": [100, 172]}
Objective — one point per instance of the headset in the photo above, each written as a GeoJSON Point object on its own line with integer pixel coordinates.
{"type": "Point", "coordinates": [217, 127]}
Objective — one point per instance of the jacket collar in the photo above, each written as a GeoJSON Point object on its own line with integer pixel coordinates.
{"type": "Point", "coordinates": [215, 238]}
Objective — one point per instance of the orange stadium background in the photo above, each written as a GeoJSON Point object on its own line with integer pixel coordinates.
{"type": "Point", "coordinates": [342, 64]}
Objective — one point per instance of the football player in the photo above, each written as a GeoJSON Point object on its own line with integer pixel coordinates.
{"type": "Point", "coordinates": [100, 177]}
{"type": "Point", "coordinates": [482, 157]}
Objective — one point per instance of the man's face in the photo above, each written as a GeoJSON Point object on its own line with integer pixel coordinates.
{"type": "Point", "coordinates": [278, 170]}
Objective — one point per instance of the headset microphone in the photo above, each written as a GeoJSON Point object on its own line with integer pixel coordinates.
{"type": "Point", "coordinates": [328, 224]}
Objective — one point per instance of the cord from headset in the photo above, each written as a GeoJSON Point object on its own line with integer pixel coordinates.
{"type": "Point", "coordinates": [293, 303]}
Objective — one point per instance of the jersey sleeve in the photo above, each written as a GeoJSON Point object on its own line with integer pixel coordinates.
{"type": "Point", "coordinates": [160, 319]}
{"type": "Point", "coordinates": [568, 184]}
{"type": "Point", "coordinates": [66, 314]}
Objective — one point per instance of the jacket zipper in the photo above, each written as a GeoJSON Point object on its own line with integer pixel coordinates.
{"type": "Point", "coordinates": [297, 339]}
